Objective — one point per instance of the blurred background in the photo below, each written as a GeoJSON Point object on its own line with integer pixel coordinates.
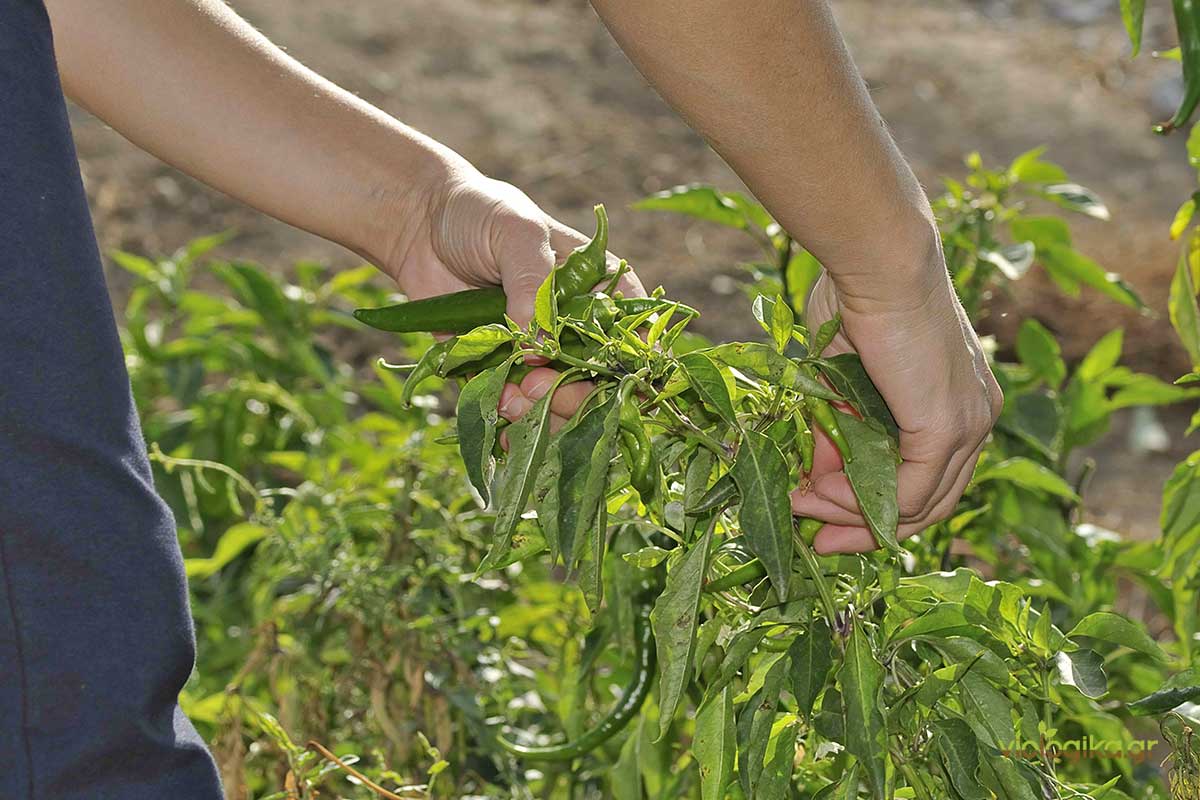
{"type": "Point", "coordinates": [537, 93]}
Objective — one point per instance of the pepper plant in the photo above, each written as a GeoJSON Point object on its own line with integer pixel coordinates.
{"type": "Point", "coordinates": [666, 497]}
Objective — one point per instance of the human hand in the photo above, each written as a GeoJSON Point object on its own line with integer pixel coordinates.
{"type": "Point", "coordinates": [926, 360]}
{"type": "Point", "coordinates": [472, 231]}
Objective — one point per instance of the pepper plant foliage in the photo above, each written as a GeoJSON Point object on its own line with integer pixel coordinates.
{"type": "Point", "coordinates": [778, 671]}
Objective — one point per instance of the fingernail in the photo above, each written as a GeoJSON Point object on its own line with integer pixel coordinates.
{"type": "Point", "coordinates": [537, 389]}
{"type": "Point", "coordinates": [516, 406]}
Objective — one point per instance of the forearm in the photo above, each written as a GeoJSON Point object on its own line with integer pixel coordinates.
{"type": "Point", "coordinates": [770, 85]}
{"type": "Point", "coordinates": [194, 84]}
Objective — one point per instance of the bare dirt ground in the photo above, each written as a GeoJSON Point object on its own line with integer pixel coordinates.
{"type": "Point", "coordinates": [537, 93]}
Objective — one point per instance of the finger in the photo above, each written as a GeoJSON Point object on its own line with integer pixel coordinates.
{"type": "Point", "coordinates": [843, 539]}
{"type": "Point", "coordinates": [913, 480]}
{"type": "Point", "coordinates": [513, 403]}
{"type": "Point", "coordinates": [949, 501]}
{"type": "Point", "coordinates": [566, 400]}
{"type": "Point", "coordinates": [838, 538]}
{"type": "Point", "coordinates": [918, 479]}
{"type": "Point", "coordinates": [806, 504]}
{"type": "Point", "coordinates": [522, 250]}
{"type": "Point", "coordinates": [826, 458]}
{"type": "Point", "coordinates": [434, 280]}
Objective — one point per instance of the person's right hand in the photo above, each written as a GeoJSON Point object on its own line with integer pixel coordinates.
{"type": "Point", "coordinates": [922, 354]}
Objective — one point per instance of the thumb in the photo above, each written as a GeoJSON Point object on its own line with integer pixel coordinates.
{"type": "Point", "coordinates": [521, 247]}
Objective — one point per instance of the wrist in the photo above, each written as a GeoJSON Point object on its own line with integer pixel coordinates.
{"type": "Point", "coordinates": [398, 203]}
{"type": "Point", "coordinates": [896, 264]}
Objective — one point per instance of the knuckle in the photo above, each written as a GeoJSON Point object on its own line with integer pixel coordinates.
{"type": "Point", "coordinates": [914, 505]}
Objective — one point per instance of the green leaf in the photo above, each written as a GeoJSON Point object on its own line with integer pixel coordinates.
{"type": "Point", "coordinates": [233, 542]}
{"type": "Point", "coordinates": [961, 650]}
{"type": "Point", "coordinates": [812, 657]}
{"type": "Point", "coordinates": [1036, 418]}
{"type": "Point", "coordinates": [765, 513]}
{"type": "Point", "coordinates": [1182, 687]}
{"type": "Point", "coordinates": [709, 382]}
{"type": "Point", "coordinates": [477, 417]}
{"type": "Point", "coordinates": [760, 361]}
{"type": "Point", "coordinates": [845, 788]}
{"type": "Point", "coordinates": [1006, 778]}
{"type": "Point", "coordinates": [825, 334]}
{"type": "Point", "coordinates": [429, 366]}
{"type": "Point", "coordinates": [1146, 390]}
{"type": "Point", "coordinates": [1103, 356]}
{"type": "Point", "coordinates": [1182, 307]}
{"type": "Point", "coordinates": [625, 778]}
{"type": "Point", "coordinates": [474, 345]}
{"type": "Point", "coordinates": [872, 474]}
{"type": "Point", "coordinates": [1013, 261]}
{"type": "Point", "coordinates": [714, 744]}
{"type": "Point", "coordinates": [988, 711]}
{"type": "Point", "coordinates": [1043, 232]}
{"type": "Point", "coordinates": [1038, 350]}
{"type": "Point", "coordinates": [1180, 517]}
{"type": "Point", "coordinates": [1083, 669]}
{"type": "Point", "coordinates": [582, 518]}
{"type": "Point", "coordinates": [646, 557]}
{"type": "Point", "coordinates": [1132, 14]}
{"type": "Point", "coordinates": [257, 290]}
{"type": "Point", "coordinates": [737, 652]}
{"type": "Point", "coordinates": [1183, 217]}
{"type": "Point", "coordinates": [558, 493]}
{"type": "Point", "coordinates": [782, 323]}
{"type": "Point", "coordinates": [1116, 629]}
{"type": "Point", "coordinates": [527, 441]}
{"type": "Point", "coordinates": [775, 782]}
{"type": "Point", "coordinates": [754, 726]}
{"type": "Point", "coordinates": [1076, 198]}
{"type": "Point", "coordinates": [1029, 167]}
{"type": "Point", "coordinates": [944, 619]}
{"type": "Point", "coordinates": [861, 679]}
{"type": "Point", "coordinates": [674, 620]}
{"type": "Point", "coordinates": [142, 267]}
{"type": "Point", "coordinates": [847, 374]}
{"type": "Point", "coordinates": [1028, 474]}
{"type": "Point", "coordinates": [705, 202]}
{"type": "Point", "coordinates": [1074, 267]}
{"type": "Point", "coordinates": [545, 305]}
{"type": "Point", "coordinates": [960, 754]}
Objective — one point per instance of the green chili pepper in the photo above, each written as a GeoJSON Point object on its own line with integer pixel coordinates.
{"type": "Point", "coordinates": [806, 443]}
{"type": "Point", "coordinates": [463, 311]}
{"type": "Point", "coordinates": [620, 715]}
{"type": "Point", "coordinates": [1187, 22]}
{"type": "Point", "coordinates": [640, 455]}
{"type": "Point", "coordinates": [809, 528]}
{"type": "Point", "coordinates": [719, 495]}
{"type": "Point", "coordinates": [773, 645]}
{"type": "Point", "coordinates": [752, 570]}
{"type": "Point", "coordinates": [587, 265]}
{"type": "Point", "coordinates": [452, 313]}
{"type": "Point", "coordinates": [822, 414]}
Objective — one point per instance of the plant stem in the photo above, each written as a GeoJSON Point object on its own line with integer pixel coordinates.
{"type": "Point", "coordinates": [580, 363]}
{"type": "Point", "coordinates": [813, 568]}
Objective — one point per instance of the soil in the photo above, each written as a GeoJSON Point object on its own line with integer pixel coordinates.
{"type": "Point", "coordinates": [538, 94]}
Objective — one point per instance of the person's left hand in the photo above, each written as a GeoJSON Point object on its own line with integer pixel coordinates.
{"type": "Point", "coordinates": [469, 231]}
